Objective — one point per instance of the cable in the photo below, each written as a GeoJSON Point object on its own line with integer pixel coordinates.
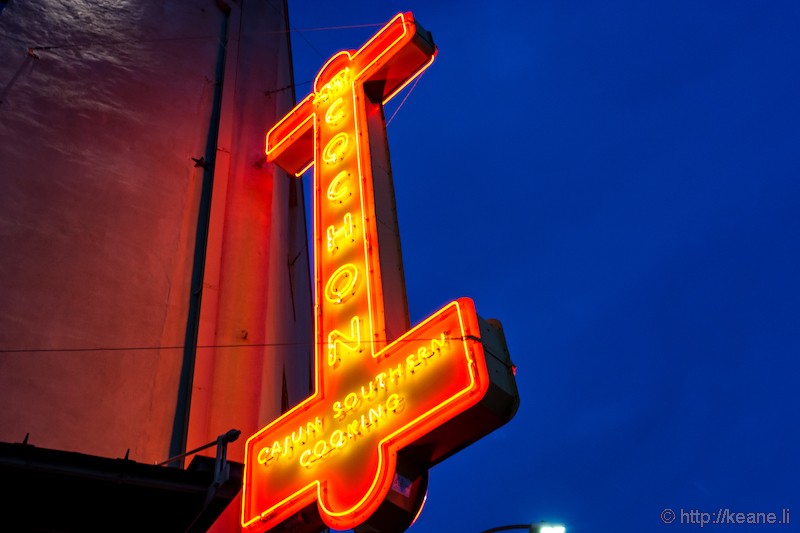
{"type": "Point", "coordinates": [286, 87]}
{"type": "Point", "coordinates": [411, 90]}
{"type": "Point", "coordinates": [88, 44]}
{"type": "Point", "coordinates": [326, 28]}
{"type": "Point", "coordinates": [508, 528]}
{"type": "Point", "coordinates": [202, 347]}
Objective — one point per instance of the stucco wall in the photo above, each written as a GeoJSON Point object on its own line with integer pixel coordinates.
{"type": "Point", "coordinates": [104, 106]}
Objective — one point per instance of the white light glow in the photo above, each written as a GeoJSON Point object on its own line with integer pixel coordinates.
{"type": "Point", "coordinates": [552, 529]}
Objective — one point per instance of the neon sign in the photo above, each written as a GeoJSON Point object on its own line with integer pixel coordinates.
{"type": "Point", "coordinates": [382, 389]}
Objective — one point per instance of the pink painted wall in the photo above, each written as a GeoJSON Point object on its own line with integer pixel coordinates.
{"type": "Point", "coordinates": [98, 210]}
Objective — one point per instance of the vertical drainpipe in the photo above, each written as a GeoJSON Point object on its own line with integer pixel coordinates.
{"type": "Point", "coordinates": [180, 426]}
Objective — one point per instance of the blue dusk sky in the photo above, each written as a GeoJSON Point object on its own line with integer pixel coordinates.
{"type": "Point", "coordinates": [619, 183]}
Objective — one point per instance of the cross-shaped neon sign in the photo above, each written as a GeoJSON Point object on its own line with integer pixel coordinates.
{"type": "Point", "coordinates": [380, 387]}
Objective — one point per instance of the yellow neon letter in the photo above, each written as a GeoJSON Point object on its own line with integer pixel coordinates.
{"type": "Point", "coordinates": [346, 230]}
{"type": "Point", "coordinates": [337, 340]}
{"type": "Point", "coordinates": [335, 149]}
{"type": "Point", "coordinates": [305, 459]}
{"type": "Point", "coordinates": [395, 403]}
{"type": "Point", "coordinates": [343, 284]}
{"type": "Point", "coordinates": [339, 188]}
{"type": "Point", "coordinates": [335, 113]}
{"type": "Point", "coordinates": [264, 456]}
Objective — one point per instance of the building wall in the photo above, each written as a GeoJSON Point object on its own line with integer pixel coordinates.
{"type": "Point", "coordinates": [260, 324]}
{"type": "Point", "coordinates": [106, 111]}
